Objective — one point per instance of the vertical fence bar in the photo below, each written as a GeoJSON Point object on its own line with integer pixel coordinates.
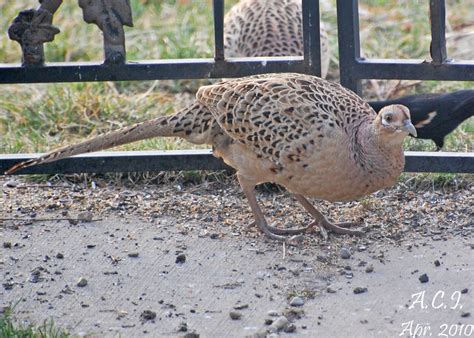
{"type": "Point", "coordinates": [218, 8]}
{"type": "Point", "coordinates": [438, 31]}
{"type": "Point", "coordinates": [311, 36]}
{"type": "Point", "coordinates": [349, 42]}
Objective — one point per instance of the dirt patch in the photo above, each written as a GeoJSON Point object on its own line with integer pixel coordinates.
{"type": "Point", "coordinates": [170, 260]}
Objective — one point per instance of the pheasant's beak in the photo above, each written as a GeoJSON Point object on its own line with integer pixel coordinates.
{"type": "Point", "coordinates": [408, 127]}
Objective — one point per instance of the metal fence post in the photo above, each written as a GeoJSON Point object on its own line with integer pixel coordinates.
{"type": "Point", "coordinates": [349, 42]}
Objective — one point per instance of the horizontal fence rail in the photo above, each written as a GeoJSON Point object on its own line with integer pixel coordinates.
{"type": "Point", "coordinates": [152, 70]}
{"type": "Point", "coordinates": [353, 68]}
{"type": "Point", "coordinates": [176, 160]}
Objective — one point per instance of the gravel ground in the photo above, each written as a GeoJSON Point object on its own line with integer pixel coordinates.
{"type": "Point", "coordinates": [176, 259]}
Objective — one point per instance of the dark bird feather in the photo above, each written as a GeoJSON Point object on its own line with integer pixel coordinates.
{"type": "Point", "coordinates": [435, 115]}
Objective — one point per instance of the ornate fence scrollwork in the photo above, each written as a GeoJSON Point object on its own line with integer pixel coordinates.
{"type": "Point", "coordinates": [110, 16]}
{"type": "Point", "coordinates": [32, 28]}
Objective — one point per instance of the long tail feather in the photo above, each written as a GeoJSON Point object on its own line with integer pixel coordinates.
{"type": "Point", "coordinates": [139, 131]}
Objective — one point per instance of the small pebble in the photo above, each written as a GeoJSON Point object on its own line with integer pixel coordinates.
{"type": "Point", "coordinates": [8, 285]}
{"type": "Point", "coordinates": [10, 184]}
{"type": "Point", "coordinates": [183, 327]}
{"type": "Point", "coordinates": [273, 313]}
{"type": "Point", "coordinates": [369, 268]}
{"type": "Point", "coordinates": [280, 323]}
{"type": "Point", "coordinates": [465, 314]}
{"type": "Point", "coordinates": [36, 275]}
{"type": "Point", "coordinates": [148, 315]}
{"type": "Point", "coordinates": [85, 216]}
{"type": "Point", "coordinates": [297, 301]}
{"type": "Point", "coordinates": [268, 321]}
{"type": "Point", "coordinates": [59, 255]}
{"type": "Point", "coordinates": [290, 328]}
{"type": "Point", "coordinates": [235, 315]}
{"type": "Point", "coordinates": [241, 307]}
{"type": "Point", "coordinates": [7, 245]}
{"type": "Point", "coordinates": [345, 253]}
{"type": "Point", "coordinates": [359, 289]}
{"type": "Point", "coordinates": [424, 278]}
{"type": "Point", "coordinates": [259, 334]}
{"type": "Point", "coordinates": [191, 335]}
{"type": "Point", "coordinates": [181, 258]}
{"type": "Point", "coordinates": [330, 289]}
{"type": "Point", "coordinates": [437, 263]}
{"type": "Point", "coordinates": [465, 290]}
{"type": "Point", "coordinates": [67, 290]}
{"type": "Point", "coordinates": [133, 254]}
{"type": "Point", "coordinates": [81, 282]}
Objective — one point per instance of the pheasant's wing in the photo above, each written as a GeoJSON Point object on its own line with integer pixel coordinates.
{"type": "Point", "coordinates": [284, 117]}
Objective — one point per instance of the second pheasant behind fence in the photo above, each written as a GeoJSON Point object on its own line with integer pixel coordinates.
{"type": "Point", "coordinates": [269, 28]}
{"type": "Point", "coordinates": [311, 136]}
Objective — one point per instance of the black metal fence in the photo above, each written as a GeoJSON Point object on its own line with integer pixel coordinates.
{"type": "Point", "coordinates": [353, 68]}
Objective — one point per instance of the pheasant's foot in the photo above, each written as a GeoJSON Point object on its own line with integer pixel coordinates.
{"type": "Point", "coordinates": [322, 222]}
{"type": "Point", "coordinates": [267, 231]}
{"type": "Point", "coordinates": [285, 232]}
{"type": "Point", "coordinates": [347, 224]}
{"type": "Point", "coordinates": [291, 231]}
{"type": "Point", "coordinates": [340, 228]}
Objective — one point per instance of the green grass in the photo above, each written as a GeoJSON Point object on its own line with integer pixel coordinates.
{"type": "Point", "coordinates": [9, 329]}
{"type": "Point", "coordinates": [39, 117]}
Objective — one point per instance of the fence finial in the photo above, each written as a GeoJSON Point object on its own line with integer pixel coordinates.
{"type": "Point", "coordinates": [32, 28]}
{"type": "Point", "coordinates": [109, 16]}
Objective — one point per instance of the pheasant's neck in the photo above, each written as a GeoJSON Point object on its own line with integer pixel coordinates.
{"type": "Point", "coordinates": [381, 159]}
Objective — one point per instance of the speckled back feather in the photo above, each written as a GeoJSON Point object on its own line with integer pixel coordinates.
{"type": "Point", "coordinates": [284, 117]}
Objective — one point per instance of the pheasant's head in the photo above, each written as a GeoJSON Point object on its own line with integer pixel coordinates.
{"type": "Point", "coordinates": [393, 124]}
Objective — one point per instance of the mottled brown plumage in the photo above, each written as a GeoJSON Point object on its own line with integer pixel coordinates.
{"type": "Point", "coordinates": [269, 28]}
{"type": "Point", "coordinates": [311, 136]}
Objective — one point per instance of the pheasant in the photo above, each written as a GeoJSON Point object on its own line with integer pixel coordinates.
{"type": "Point", "coordinates": [435, 115]}
{"type": "Point", "coordinates": [269, 28]}
{"type": "Point", "coordinates": [309, 135]}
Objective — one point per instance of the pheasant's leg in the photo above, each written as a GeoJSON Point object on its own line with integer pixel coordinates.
{"type": "Point", "coordinates": [248, 189]}
{"type": "Point", "coordinates": [336, 228]}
